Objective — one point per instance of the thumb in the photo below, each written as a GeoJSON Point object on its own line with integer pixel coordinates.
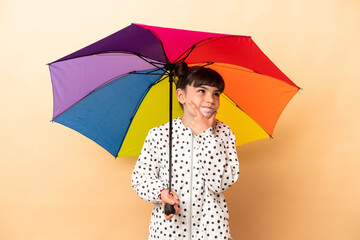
{"type": "Point", "coordinates": [212, 117]}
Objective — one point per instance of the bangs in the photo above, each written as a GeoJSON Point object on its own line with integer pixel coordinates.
{"type": "Point", "coordinates": [208, 77]}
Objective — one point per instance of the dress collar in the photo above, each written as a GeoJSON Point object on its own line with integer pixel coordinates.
{"type": "Point", "coordinates": [179, 127]}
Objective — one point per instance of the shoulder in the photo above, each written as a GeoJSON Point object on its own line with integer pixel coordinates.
{"type": "Point", "coordinates": [222, 129]}
{"type": "Point", "coordinates": [159, 130]}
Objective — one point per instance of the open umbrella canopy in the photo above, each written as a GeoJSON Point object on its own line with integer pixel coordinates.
{"type": "Point", "coordinates": [115, 90]}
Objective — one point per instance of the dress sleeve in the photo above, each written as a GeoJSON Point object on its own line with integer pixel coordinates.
{"type": "Point", "coordinates": [217, 158]}
{"type": "Point", "coordinates": [145, 176]}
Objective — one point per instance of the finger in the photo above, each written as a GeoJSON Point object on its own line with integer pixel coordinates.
{"type": "Point", "coordinates": [176, 201]}
{"type": "Point", "coordinates": [175, 197]}
{"type": "Point", "coordinates": [168, 217]}
{"type": "Point", "coordinates": [195, 108]}
{"type": "Point", "coordinates": [170, 201]}
{"type": "Point", "coordinates": [176, 209]}
{"type": "Point", "coordinates": [212, 117]}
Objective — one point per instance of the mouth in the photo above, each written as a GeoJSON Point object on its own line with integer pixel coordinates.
{"type": "Point", "coordinates": [206, 111]}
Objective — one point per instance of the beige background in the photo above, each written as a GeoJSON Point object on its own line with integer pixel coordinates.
{"type": "Point", "coordinates": [303, 184]}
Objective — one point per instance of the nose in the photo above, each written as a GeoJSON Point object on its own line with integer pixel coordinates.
{"type": "Point", "coordinates": [209, 98]}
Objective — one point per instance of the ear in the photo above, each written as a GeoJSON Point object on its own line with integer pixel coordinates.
{"type": "Point", "coordinates": [180, 94]}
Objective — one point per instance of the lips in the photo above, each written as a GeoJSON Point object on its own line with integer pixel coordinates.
{"type": "Point", "coordinates": [207, 111]}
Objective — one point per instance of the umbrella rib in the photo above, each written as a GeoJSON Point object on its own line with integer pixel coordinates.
{"type": "Point", "coordinates": [191, 49]}
{"type": "Point", "coordinates": [250, 71]}
{"type": "Point", "coordinates": [231, 101]}
{"type": "Point", "coordinates": [208, 63]}
{"type": "Point", "coordinates": [134, 113]}
{"type": "Point", "coordinates": [147, 73]}
{"type": "Point", "coordinates": [103, 52]}
{"type": "Point", "coordinates": [203, 42]}
{"type": "Point", "coordinates": [240, 69]}
{"type": "Point", "coordinates": [158, 38]}
{"type": "Point", "coordinates": [150, 62]}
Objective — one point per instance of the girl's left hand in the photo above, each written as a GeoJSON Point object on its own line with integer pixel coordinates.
{"type": "Point", "coordinates": [200, 123]}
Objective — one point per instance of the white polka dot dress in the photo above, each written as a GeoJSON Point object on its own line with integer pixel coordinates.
{"type": "Point", "coordinates": [203, 167]}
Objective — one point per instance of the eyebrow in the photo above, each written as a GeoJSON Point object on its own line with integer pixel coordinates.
{"type": "Point", "coordinates": [205, 86]}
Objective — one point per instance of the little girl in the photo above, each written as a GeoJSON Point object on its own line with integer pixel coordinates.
{"type": "Point", "coordinates": [204, 163]}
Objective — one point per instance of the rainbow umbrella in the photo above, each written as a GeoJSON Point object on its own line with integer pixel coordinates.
{"type": "Point", "coordinates": [115, 90]}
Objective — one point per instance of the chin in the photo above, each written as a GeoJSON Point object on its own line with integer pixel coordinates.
{"type": "Point", "coordinates": [207, 115]}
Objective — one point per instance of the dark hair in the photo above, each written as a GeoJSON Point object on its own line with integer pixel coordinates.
{"type": "Point", "coordinates": [197, 76]}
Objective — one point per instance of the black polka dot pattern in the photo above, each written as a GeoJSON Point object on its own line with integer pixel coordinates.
{"type": "Point", "coordinates": [203, 167]}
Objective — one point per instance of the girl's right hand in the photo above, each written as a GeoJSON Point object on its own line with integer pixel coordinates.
{"type": "Point", "coordinates": [200, 123]}
{"type": "Point", "coordinates": [172, 199]}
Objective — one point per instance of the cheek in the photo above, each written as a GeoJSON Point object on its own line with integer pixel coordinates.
{"type": "Point", "coordinates": [217, 103]}
{"type": "Point", "coordinates": [197, 103]}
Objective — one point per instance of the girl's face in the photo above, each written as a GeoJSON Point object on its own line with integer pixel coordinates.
{"type": "Point", "coordinates": [206, 99]}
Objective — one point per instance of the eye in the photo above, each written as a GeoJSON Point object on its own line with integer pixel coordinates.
{"type": "Point", "coordinates": [201, 91]}
{"type": "Point", "coordinates": [217, 94]}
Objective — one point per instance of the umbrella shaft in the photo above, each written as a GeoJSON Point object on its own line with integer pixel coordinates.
{"type": "Point", "coordinates": [170, 126]}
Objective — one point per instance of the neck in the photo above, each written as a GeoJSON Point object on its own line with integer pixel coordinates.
{"type": "Point", "coordinates": [186, 120]}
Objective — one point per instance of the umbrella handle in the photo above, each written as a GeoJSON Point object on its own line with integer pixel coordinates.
{"type": "Point", "coordinates": [169, 209]}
